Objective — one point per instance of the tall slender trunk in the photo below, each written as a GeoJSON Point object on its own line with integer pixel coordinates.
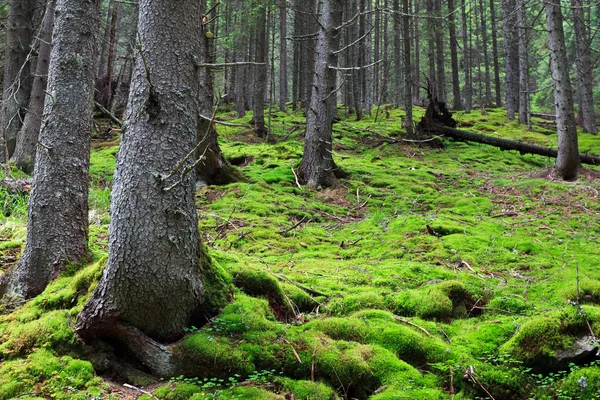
{"type": "Point", "coordinates": [433, 87]}
{"type": "Point", "coordinates": [523, 63]}
{"type": "Point", "coordinates": [486, 58]}
{"type": "Point", "coordinates": [456, 101]}
{"type": "Point", "coordinates": [356, 86]}
{"type": "Point", "coordinates": [417, 68]}
{"type": "Point", "coordinates": [466, 60]}
{"type": "Point", "coordinates": [317, 167]}
{"type": "Point", "coordinates": [386, 57]}
{"type": "Point", "coordinates": [407, 70]}
{"type": "Point", "coordinates": [439, 48]}
{"type": "Point", "coordinates": [567, 162]}
{"type": "Point", "coordinates": [239, 56]}
{"type": "Point", "coordinates": [283, 77]}
{"type": "Point", "coordinates": [260, 77]}
{"type": "Point", "coordinates": [398, 43]}
{"type": "Point", "coordinates": [511, 58]}
{"type": "Point", "coordinates": [105, 38]}
{"type": "Point", "coordinates": [27, 138]}
{"type": "Point", "coordinates": [585, 82]}
{"type": "Point", "coordinates": [377, 55]}
{"type": "Point", "coordinates": [17, 76]}
{"type": "Point", "coordinates": [497, 86]}
{"type": "Point", "coordinates": [57, 226]}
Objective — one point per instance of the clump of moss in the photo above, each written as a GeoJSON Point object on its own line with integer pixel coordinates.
{"type": "Point", "coordinates": [581, 384]}
{"type": "Point", "coordinates": [589, 290]}
{"type": "Point", "coordinates": [309, 390]}
{"type": "Point", "coordinates": [180, 391]}
{"type": "Point", "coordinates": [50, 376]}
{"type": "Point", "coordinates": [218, 287]}
{"type": "Point", "coordinates": [353, 302]}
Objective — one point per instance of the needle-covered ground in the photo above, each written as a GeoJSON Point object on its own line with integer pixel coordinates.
{"type": "Point", "coordinates": [436, 270]}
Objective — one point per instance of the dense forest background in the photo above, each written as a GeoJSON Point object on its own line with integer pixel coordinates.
{"type": "Point", "coordinates": [299, 199]}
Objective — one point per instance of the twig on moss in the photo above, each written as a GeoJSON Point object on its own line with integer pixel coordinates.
{"type": "Point", "coordinates": [294, 350]}
{"type": "Point", "coordinates": [312, 366]}
{"type": "Point", "coordinates": [306, 289]}
{"type": "Point", "coordinates": [128, 386]}
{"type": "Point", "coordinates": [404, 320]}
{"type": "Point", "coordinates": [297, 224]}
{"type": "Point", "coordinates": [296, 178]}
{"type": "Point", "coordinates": [470, 373]}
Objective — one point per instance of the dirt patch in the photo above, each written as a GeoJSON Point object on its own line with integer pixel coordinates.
{"type": "Point", "coordinates": [335, 196]}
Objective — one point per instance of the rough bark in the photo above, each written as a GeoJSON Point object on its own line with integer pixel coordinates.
{"type": "Point", "coordinates": [213, 168]}
{"type": "Point", "coordinates": [317, 166]}
{"type": "Point", "coordinates": [585, 83]}
{"type": "Point", "coordinates": [439, 49]}
{"type": "Point", "coordinates": [468, 90]}
{"type": "Point", "coordinates": [355, 62]}
{"type": "Point", "coordinates": [407, 70]}
{"type": "Point", "coordinates": [432, 83]}
{"type": "Point", "coordinates": [17, 68]}
{"type": "Point", "coordinates": [417, 66]}
{"type": "Point", "coordinates": [398, 50]}
{"type": "Point", "coordinates": [486, 58]}
{"type": "Point", "coordinates": [511, 58]}
{"type": "Point", "coordinates": [57, 227]}
{"type": "Point", "coordinates": [153, 279]}
{"type": "Point", "coordinates": [523, 63]}
{"type": "Point", "coordinates": [456, 101]}
{"type": "Point", "coordinates": [567, 161]}
{"type": "Point", "coordinates": [260, 77]}
{"type": "Point", "coordinates": [497, 87]}
{"type": "Point", "coordinates": [241, 73]}
{"type": "Point", "coordinates": [27, 138]}
{"type": "Point", "coordinates": [283, 78]}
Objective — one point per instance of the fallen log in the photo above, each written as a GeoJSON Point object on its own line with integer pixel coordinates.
{"type": "Point", "coordinates": [505, 144]}
{"type": "Point", "coordinates": [549, 117]}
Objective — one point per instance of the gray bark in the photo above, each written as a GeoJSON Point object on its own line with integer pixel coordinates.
{"type": "Point", "coordinates": [260, 77]}
{"type": "Point", "coordinates": [567, 162]}
{"type": "Point", "coordinates": [417, 67]}
{"type": "Point", "coordinates": [456, 101]}
{"type": "Point", "coordinates": [317, 167]}
{"type": "Point", "coordinates": [241, 73]}
{"type": "Point", "coordinates": [585, 83]}
{"type": "Point", "coordinates": [511, 58]}
{"type": "Point", "coordinates": [57, 227]}
{"type": "Point", "coordinates": [17, 72]}
{"type": "Point", "coordinates": [283, 79]}
{"type": "Point", "coordinates": [433, 87]}
{"type": "Point", "coordinates": [486, 58]}
{"type": "Point", "coordinates": [153, 279]}
{"type": "Point", "coordinates": [497, 87]}
{"type": "Point", "coordinates": [407, 70]}
{"type": "Point", "coordinates": [398, 43]}
{"type": "Point", "coordinates": [439, 48]}
{"type": "Point", "coordinates": [27, 138]}
{"type": "Point", "coordinates": [468, 90]}
{"type": "Point", "coordinates": [523, 63]}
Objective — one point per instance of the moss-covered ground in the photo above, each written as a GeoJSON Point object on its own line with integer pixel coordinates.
{"type": "Point", "coordinates": [438, 270]}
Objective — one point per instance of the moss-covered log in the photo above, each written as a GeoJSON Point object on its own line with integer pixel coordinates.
{"type": "Point", "coordinates": [505, 144]}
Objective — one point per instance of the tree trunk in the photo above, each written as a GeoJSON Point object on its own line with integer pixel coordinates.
{"type": "Point", "coordinates": [317, 167]}
{"type": "Point", "coordinates": [432, 83]}
{"type": "Point", "coordinates": [511, 58]}
{"type": "Point", "coordinates": [407, 70]}
{"type": "Point", "coordinates": [283, 78]}
{"type": "Point", "coordinates": [17, 68]}
{"type": "Point", "coordinates": [567, 162]}
{"type": "Point", "coordinates": [466, 60]}
{"type": "Point", "coordinates": [417, 67]}
{"type": "Point", "coordinates": [398, 43]}
{"type": "Point", "coordinates": [456, 101]}
{"type": "Point", "coordinates": [260, 77]}
{"type": "Point", "coordinates": [439, 48]}
{"type": "Point", "coordinates": [27, 138]}
{"type": "Point", "coordinates": [523, 63]}
{"type": "Point", "coordinates": [583, 62]}
{"type": "Point", "coordinates": [355, 78]}
{"type": "Point", "coordinates": [498, 90]}
{"type": "Point", "coordinates": [57, 228]}
{"type": "Point", "coordinates": [153, 280]}
{"type": "Point", "coordinates": [239, 56]}
{"type": "Point", "coordinates": [486, 58]}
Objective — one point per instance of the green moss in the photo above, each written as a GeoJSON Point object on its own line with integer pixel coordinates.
{"type": "Point", "coordinates": [581, 384]}
{"type": "Point", "coordinates": [180, 391]}
{"type": "Point", "coordinates": [45, 374]}
{"type": "Point", "coordinates": [307, 389]}
{"type": "Point", "coordinates": [354, 302]}
{"type": "Point", "coordinates": [218, 286]}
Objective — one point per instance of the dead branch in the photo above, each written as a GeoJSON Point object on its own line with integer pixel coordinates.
{"type": "Point", "coordinates": [108, 114]}
{"type": "Point", "coordinates": [404, 320]}
{"type": "Point", "coordinates": [294, 350]}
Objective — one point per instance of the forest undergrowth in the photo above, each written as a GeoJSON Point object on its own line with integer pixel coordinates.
{"type": "Point", "coordinates": [435, 270]}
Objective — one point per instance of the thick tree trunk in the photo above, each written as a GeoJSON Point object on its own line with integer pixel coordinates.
{"type": "Point", "coordinates": [283, 65]}
{"type": "Point", "coordinates": [511, 58]}
{"type": "Point", "coordinates": [17, 76]}
{"type": "Point", "coordinates": [456, 101]}
{"type": "Point", "coordinates": [153, 279]}
{"type": "Point", "coordinates": [468, 90]}
{"type": "Point", "coordinates": [567, 161]}
{"type": "Point", "coordinates": [317, 167]}
{"type": "Point", "coordinates": [497, 87]}
{"type": "Point", "coordinates": [260, 71]}
{"type": "Point", "coordinates": [523, 63]}
{"type": "Point", "coordinates": [57, 228]}
{"type": "Point", "coordinates": [583, 62]}
{"type": "Point", "coordinates": [27, 138]}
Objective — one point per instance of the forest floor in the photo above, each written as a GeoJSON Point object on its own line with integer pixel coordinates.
{"type": "Point", "coordinates": [436, 270]}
